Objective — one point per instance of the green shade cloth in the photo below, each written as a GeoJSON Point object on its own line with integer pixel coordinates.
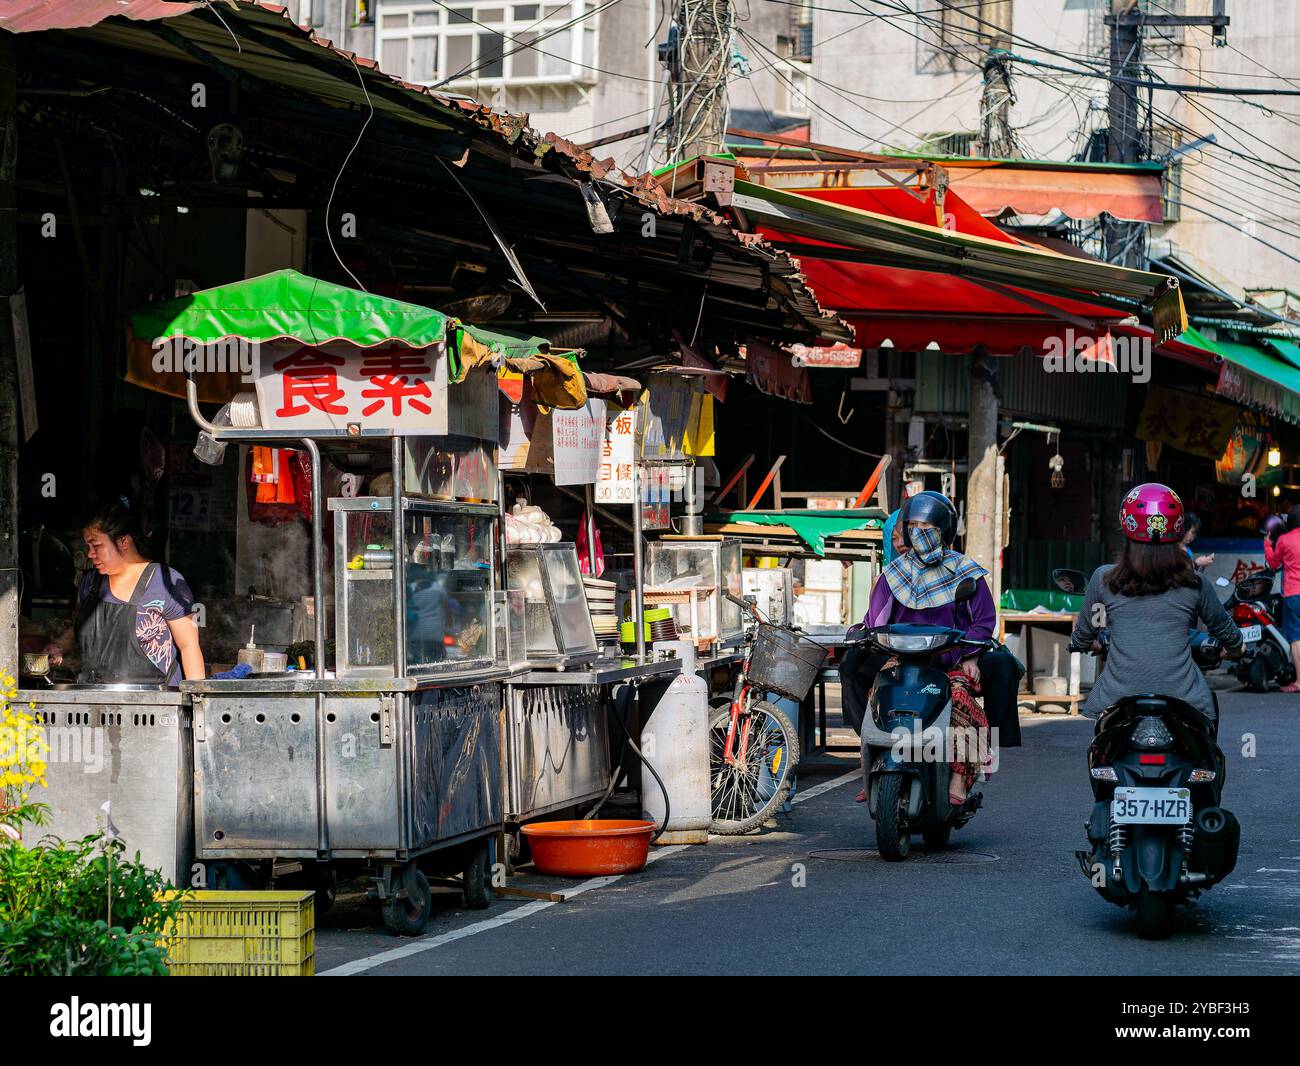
{"type": "Point", "coordinates": [1288, 350]}
{"type": "Point", "coordinates": [1259, 378]}
{"type": "Point", "coordinates": [811, 527]}
{"type": "Point", "coordinates": [509, 345]}
{"type": "Point", "coordinates": [1052, 599]}
{"type": "Point", "coordinates": [286, 304]}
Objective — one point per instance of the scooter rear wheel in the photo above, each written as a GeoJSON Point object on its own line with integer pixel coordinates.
{"type": "Point", "coordinates": [1154, 914]}
{"type": "Point", "coordinates": [893, 837]}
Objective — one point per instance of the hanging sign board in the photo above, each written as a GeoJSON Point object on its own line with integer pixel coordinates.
{"type": "Point", "coordinates": [576, 439]}
{"type": "Point", "coordinates": [617, 454]}
{"type": "Point", "coordinates": [840, 356]}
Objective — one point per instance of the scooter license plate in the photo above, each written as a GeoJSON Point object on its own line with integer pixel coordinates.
{"type": "Point", "coordinates": [1151, 806]}
{"type": "Point", "coordinates": [1250, 633]}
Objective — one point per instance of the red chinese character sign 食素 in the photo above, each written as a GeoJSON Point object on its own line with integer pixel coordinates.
{"type": "Point", "coordinates": [340, 388]}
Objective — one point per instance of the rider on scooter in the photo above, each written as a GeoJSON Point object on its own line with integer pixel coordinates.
{"type": "Point", "coordinates": [1148, 600]}
{"type": "Point", "coordinates": [920, 586]}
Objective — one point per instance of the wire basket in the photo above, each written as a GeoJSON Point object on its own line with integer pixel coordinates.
{"type": "Point", "coordinates": [785, 662]}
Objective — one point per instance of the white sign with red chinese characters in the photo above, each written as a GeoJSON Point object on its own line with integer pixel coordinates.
{"type": "Point", "coordinates": [576, 438]}
{"type": "Point", "coordinates": [617, 454]}
{"type": "Point", "coordinates": [338, 386]}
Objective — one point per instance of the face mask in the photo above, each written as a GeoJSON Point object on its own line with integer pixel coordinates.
{"type": "Point", "coordinates": [928, 545]}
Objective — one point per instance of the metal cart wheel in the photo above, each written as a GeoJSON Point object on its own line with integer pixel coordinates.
{"type": "Point", "coordinates": [477, 886]}
{"type": "Point", "coordinates": [406, 911]}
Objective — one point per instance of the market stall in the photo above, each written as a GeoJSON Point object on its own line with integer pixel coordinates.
{"type": "Point", "coordinates": [381, 751]}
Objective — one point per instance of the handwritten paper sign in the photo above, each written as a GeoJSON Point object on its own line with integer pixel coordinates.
{"type": "Point", "coordinates": [576, 437]}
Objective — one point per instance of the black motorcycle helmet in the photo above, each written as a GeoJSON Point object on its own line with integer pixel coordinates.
{"type": "Point", "coordinates": [935, 508]}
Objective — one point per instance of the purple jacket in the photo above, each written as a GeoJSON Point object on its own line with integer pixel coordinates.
{"type": "Point", "coordinates": [977, 616]}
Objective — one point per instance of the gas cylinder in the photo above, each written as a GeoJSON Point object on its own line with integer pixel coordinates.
{"type": "Point", "coordinates": [675, 741]}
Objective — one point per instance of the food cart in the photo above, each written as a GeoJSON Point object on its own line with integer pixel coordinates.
{"type": "Point", "coordinates": [386, 757]}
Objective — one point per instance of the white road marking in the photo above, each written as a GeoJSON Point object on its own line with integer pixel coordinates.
{"type": "Point", "coordinates": [423, 944]}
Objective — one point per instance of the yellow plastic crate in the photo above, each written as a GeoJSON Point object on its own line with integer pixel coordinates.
{"type": "Point", "coordinates": [242, 934]}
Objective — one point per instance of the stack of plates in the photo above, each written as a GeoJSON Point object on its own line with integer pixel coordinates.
{"type": "Point", "coordinates": [662, 624]}
{"type": "Point", "coordinates": [601, 600]}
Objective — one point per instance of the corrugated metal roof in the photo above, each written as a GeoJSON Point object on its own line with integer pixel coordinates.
{"type": "Point", "coordinates": [273, 48]}
{"type": "Point", "coordinates": [29, 16]}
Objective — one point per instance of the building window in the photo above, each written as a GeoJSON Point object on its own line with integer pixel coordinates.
{"type": "Point", "coordinates": [973, 26]}
{"type": "Point", "coordinates": [421, 41]}
{"type": "Point", "coordinates": [961, 143]}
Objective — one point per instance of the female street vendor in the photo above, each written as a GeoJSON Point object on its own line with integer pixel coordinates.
{"type": "Point", "coordinates": [133, 616]}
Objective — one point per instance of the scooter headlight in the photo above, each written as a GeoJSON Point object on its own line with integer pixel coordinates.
{"type": "Point", "coordinates": [912, 643]}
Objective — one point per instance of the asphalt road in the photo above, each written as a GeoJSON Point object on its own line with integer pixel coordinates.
{"type": "Point", "coordinates": [811, 898]}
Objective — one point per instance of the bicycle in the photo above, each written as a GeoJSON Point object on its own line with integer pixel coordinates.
{"type": "Point", "coordinates": [753, 746]}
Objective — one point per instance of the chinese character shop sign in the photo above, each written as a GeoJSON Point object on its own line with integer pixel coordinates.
{"type": "Point", "coordinates": [335, 387]}
{"type": "Point", "coordinates": [614, 476]}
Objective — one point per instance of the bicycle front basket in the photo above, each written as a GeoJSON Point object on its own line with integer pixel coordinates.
{"type": "Point", "coordinates": [785, 663]}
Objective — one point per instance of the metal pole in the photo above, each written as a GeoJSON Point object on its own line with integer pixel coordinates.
{"type": "Point", "coordinates": [317, 553]}
{"type": "Point", "coordinates": [981, 485]}
{"type": "Point", "coordinates": [706, 58]}
{"type": "Point", "coordinates": [638, 578]}
{"type": "Point", "coordinates": [9, 402]}
{"type": "Point", "coordinates": [591, 529]}
{"type": "Point", "coordinates": [399, 563]}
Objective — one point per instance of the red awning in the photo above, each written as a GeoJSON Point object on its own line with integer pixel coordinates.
{"type": "Point", "coordinates": [992, 188]}
{"type": "Point", "coordinates": [915, 309]}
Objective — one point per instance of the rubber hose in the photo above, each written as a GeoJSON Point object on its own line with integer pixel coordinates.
{"type": "Point", "coordinates": [622, 702]}
{"type": "Point", "coordinates": [668, 810]}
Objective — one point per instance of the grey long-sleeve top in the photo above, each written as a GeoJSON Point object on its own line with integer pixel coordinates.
{"type": "Point", "coordinates": [1149, 649]}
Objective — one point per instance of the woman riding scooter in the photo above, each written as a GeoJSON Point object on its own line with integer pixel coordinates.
{"type": "Point", "coordinates": [1148, 600]}
{"type": "Point", "coordinates": [920, 586]}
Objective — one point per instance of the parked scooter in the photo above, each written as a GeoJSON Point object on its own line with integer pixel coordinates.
{"type": "Point", "coordinates": [1255, 608]}
{"type": "Point", "coordinates": [905, 737]}
{"type": "Point", "coordinates": [1157, 836]}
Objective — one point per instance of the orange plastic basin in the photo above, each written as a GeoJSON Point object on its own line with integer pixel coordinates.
{"type": "Point", "coordinates": [589, 848]}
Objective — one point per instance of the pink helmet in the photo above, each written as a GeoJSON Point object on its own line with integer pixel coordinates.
{"type": "Point", "coordinates": [1152, 514]}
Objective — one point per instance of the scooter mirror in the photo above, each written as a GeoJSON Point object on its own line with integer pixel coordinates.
{"type": "Point", "coordinates": [966, 589]}
{"type": "Point", "coordinates": [1074, 582]}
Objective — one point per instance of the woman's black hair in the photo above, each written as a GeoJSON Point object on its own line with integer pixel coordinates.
{"type": "Point", "coordinates": [117, 519]}
{"type": "Point", "coordinates": [1191, 523]}
{"type": "Point", "coordinates": [1150, 569]}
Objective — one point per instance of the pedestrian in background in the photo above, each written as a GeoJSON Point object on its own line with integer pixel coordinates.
{"type": "Point", "coordinates": [1282, 549]}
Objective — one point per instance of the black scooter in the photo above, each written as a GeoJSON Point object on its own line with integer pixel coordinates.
{"type": "Point", "coordinates": [1157, 836]}
{"type": "Point", "coordinates": [906, 740]}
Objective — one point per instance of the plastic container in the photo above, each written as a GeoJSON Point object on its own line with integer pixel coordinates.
{"type": "Point", "coordinates": [589, 848]}
{"type": "Point", "coordinates": [675, 740]}
{"type": "Point", "coordinates": [242, 934]}
{"type": "Point", "coordinates": [785, 662]}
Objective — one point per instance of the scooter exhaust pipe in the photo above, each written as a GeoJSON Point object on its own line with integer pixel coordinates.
{"type": "Point", "coordinates": [1218, 835]}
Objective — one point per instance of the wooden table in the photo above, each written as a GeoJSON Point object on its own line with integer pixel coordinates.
{"type": "Point", "coordinates": [1025, 619]}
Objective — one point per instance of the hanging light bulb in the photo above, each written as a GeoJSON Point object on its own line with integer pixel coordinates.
{"type": "Point", "coordinates": [1057, 464]}
{"type": "Point", "coordinates": [1274, 455]}
{"type": "Point", "coordinates": [1277, 490]}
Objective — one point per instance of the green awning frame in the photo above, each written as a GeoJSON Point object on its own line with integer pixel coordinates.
{"type": "Point", "coordinates": [811, 527]}
{"type": "Point", "coordinates": [288, 305]}
{"type": "Point", "coordinates": [1252, 376]}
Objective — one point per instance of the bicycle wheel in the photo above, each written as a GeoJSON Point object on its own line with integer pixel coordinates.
{"type": "Point", "coordinates": [746, 794]}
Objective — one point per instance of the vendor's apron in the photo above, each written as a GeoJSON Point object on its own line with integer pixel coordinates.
{"type": "Point", "coordinates": [110, 650]}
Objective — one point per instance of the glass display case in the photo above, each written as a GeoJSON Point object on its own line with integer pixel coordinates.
{"type": "Point", "coordinates": [449, 553]}
{"type": "Point", "coordinates": [711, 564]}
{"type": "Point", "coordinates": [557, 620]}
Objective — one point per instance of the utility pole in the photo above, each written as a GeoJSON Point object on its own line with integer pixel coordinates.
{"type": "Point", "coordinates": [700, 127]}
{"type": "Point", "coordinates": [997, 141]}
{"type": "Point", "coordinates": [1123, 138]}
{"type": "Point", "coordinates": [1124, 142]}
{"type": "Point", "coordinates": [9, 605]}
